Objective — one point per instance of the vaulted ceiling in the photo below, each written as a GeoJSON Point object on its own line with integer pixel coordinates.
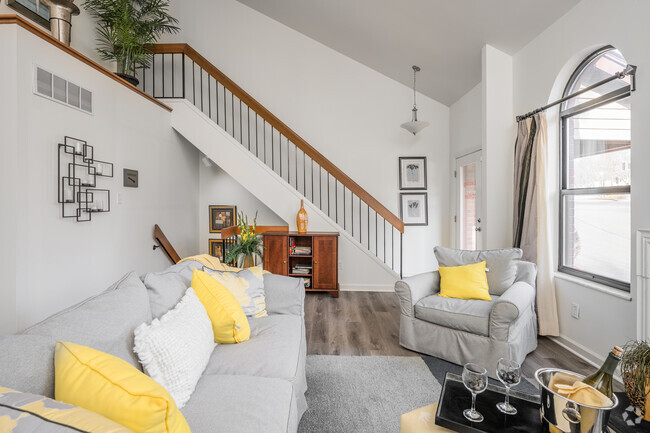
{"type": "Point", "coordinates": [443, 37]}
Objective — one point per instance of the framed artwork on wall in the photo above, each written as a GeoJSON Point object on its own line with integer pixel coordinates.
{"type": "Point", "coordinates": [216, 249]}
{"type": "Point", "coordinates": [414, 209]}
{"type": "Point", "coordinates": [222, 217]}
{"type": "Point", "coordinates": [413, 172]}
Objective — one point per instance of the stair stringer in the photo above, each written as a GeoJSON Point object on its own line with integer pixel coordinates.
{"type": "Point", "coordinates": [360, 269]}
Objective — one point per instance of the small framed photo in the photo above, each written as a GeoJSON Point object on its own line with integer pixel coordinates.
{"type": "Point", "coordinates": [413, 172]}
{"type": "Point", "coordinates": [414, 209]}
{"type": "Point", "coordinates": [216, 249]}
{"type": "Point", "coordinates": [222, 217]}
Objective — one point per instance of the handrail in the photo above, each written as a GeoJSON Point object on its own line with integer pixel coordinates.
{"type": "Point", "coordinates": [164, 243]}
{"type": "Point", "coordinates": [232, 231]}
{"type": "Point", "coordinates": [281, 127]}
{"type": "Point", "coordinates": [30, 27]}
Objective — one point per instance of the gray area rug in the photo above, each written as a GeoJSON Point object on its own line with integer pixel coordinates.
{"type": "Point", "coordinates": [364, 394]}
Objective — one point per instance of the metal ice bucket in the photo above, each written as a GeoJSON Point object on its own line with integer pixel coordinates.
{"type": "Point", "coordinates": [564, 415]}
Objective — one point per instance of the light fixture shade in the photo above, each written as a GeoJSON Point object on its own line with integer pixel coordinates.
{"type": "Point", "coordinates": [415, 126]}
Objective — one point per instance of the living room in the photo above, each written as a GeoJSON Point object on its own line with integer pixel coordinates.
{"type": "Point", "coordinates": [258, 108]}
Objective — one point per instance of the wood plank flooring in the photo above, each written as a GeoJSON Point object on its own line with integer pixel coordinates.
{"type": "Point", "coordinates": [367, 323]}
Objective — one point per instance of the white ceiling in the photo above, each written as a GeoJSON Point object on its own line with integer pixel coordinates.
{"type": "Point", "coordinates": [443, 37]}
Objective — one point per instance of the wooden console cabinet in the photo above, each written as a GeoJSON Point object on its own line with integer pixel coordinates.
{"type": "Point", "coordinates": [282, 256]}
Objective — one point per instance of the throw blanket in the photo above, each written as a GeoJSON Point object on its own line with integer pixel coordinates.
{"type": "Point", "coordinates": [206, 260]}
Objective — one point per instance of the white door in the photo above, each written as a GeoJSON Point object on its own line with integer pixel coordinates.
{"type": "Point", "coordinates": [468, 201]}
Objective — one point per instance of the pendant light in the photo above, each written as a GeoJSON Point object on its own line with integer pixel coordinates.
{"type": "Point", "coordinates": [415, 125]}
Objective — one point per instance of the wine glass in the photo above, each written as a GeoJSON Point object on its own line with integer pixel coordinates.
{"type": "Point", "coordinates": [509, 373]}
{"type": "Point", "coordinates": [475, 379]}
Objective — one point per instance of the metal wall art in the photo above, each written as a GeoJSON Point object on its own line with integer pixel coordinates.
{"type": "Point", "coordinates": [78, 173]}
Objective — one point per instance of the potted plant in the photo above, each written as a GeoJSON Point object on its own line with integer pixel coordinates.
{"type": "Point", "coordinates": [635, 369]}
{"type": "Point", "coordinates": [127, 29]}
{"type": "Point", "coordinates": [248, 245]}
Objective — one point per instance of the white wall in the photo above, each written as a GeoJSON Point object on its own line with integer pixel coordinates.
{"type": "Point", "coordinates": [58, 262]}
{"type": "Point", "coordinates": [541, 71]}
{"type": "Point", "coordinates": [465, 133]}
{"type": "Point", "coordinates": [498, 147]}
{"type": "Point", "coordinates": [347, 111]}
{"type": "Point", "coordinates": [219, 188]}
{"type": "Point", "coordinates": [83, 35]}
{"type": "Point", "coordinates": [8, 190]}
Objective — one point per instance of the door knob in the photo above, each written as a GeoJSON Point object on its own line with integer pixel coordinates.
{"type": "Point", "coordinates": [315, 262]}
{"type": "Point", "coordinates": [478, 229]}
{"type": "Point", "coordinates": [284, 261]}
{"type": "Point", "coordinates": [478, 220]}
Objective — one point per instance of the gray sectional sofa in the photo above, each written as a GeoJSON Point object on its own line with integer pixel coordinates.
{"type": "Point", "coordinates": [255, 386]}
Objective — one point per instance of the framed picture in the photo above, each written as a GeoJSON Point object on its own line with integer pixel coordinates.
{"type": "Point", "coordinates": [413, 172]}
{"type": "Point", "coordinates": [216, 249]}
{"type": "Point", "coordinates": [414, 209]}
{"type": "Point", "coordinates": [222, 217]}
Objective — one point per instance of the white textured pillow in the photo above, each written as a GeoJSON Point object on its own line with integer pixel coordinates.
{"type": "Point", "coordinates": [175, 349]}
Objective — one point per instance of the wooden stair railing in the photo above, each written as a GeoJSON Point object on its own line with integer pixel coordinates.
{"type": "Point", "coordinates": [179, 71]}
{"type": "Point", "coordinates": [232, 231]}
{"type": "Point", "coordinates": [164, 243]}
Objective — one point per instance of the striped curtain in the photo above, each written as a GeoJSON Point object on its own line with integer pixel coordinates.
{"type": "Point", "coordinates": [532, 232]}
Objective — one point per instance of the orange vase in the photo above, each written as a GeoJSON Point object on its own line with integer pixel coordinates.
{"type": "Point", "coordinates": [302, 219]}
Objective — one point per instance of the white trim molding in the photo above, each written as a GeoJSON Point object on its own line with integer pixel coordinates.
{"type": "Point", "coordinates": [643, 284]}
{"type": "Point", "coordinates": [366, 288]}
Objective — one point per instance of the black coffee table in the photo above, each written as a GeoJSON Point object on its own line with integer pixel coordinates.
{"type": "Point", "coordinates": [455, 398]}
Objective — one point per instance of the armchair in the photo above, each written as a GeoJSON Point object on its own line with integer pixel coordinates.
{"type": "Point", "coordinates": [462, 331]}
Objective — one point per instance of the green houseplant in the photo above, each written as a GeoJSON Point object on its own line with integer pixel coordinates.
{"type": "Point", "coordinates": [248, 245]}
{"type": "Point", "coordinates": [127, 29]}
{"type": "Point", "coordinates": [635, 369]}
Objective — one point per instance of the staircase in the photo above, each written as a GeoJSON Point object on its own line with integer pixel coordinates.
{"type": "Point", "coordinates": [266, 156]}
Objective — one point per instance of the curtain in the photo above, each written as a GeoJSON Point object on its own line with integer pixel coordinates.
{"type": "Point", "coordinates": [532, 231]}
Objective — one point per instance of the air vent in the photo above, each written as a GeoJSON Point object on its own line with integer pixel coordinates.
{"type": "Point", "coordinates": [58, 89]}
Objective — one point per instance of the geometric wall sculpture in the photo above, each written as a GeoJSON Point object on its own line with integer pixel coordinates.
{"type": "Point", "coordinates": [78, 174]}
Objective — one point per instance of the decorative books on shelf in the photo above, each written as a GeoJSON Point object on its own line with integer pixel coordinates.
{"type": "Point", "coordinates": [298, 250]}
{"type": "Point", "coordinates": [301, 269]}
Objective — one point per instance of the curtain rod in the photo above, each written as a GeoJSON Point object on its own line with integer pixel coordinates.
{"type": "Point", "coordinates": [629, 70]}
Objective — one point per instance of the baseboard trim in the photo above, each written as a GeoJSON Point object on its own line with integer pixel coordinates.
{"type": "Point", "coordinates": [367, 288]}
{"type": "Point", "coordinates": [582, 352]}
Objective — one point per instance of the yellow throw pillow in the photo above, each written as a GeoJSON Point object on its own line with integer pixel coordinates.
{"type": "Point", "coordinates": [464, 282]}
{"type": "Point", "coordinates": [229, 322]}
{"type": "Point", "coordinates": [21, 411]}
{"type": "Point", "coordinates": [115, 389]}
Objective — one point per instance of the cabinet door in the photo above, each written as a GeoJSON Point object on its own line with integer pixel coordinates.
{"type": "Point", "coordinates": [276, 254]}
{"type": "Point", "coordinates": [325, 250]}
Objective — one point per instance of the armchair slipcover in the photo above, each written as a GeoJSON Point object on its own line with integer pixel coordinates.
{"type": "Point", "coordinates": [462, 331]}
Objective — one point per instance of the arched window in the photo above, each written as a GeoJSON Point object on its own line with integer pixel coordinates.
{"type": "Point", "coordinates": [595, 173]}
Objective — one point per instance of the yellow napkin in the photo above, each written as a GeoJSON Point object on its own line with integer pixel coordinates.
{"type": "Point", "coordinates": [582, 393]}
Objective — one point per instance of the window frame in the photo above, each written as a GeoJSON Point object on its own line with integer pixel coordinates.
{"type": "Point", "coordinates": [564, 116]}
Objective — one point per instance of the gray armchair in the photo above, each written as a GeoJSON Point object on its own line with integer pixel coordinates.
{"type": "Point", "coordinates": [462, 331]}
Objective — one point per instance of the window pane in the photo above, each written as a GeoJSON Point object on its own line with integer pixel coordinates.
{"type": "Point", "coordinates": [468, 206]}
{"type": "Point", "coordinates": [598, 146]}
{"type": "Point", "coordinates": [603, 66]}
{"type": "Point", "coordinates": [597, 234]}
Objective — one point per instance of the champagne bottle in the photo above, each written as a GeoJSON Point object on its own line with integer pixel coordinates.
{"type": "Point", "coordinates": [602, 379]}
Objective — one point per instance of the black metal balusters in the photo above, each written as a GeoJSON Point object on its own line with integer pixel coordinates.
{"type": "Point", "coordinates": [158, 79]}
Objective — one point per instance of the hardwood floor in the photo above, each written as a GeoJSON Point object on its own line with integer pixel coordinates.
{"type": "Point", "coordinates": [367, 323]}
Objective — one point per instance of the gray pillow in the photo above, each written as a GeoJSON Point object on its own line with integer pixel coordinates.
{"type": "Point", "coordinates": [166, 288]}
{"type": "Point", "coordinates": [104, 322]}
{"type": "Point", "coordinates": [502, 268]}
{"type": "Point", "coordinates": [27, 363]}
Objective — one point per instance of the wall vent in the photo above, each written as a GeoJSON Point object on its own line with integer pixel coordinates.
{"type": "Point", "coordinates": [58, 89]}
